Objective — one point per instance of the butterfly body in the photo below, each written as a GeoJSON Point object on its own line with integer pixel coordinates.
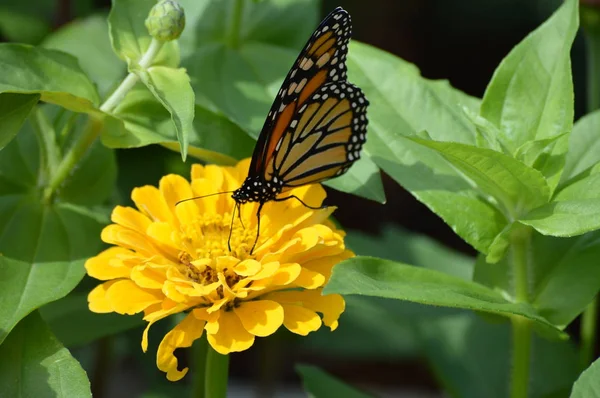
{"type": "Point", "coordinates": [317, 124]}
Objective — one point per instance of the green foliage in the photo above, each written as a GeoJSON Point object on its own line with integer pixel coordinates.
{"type": "Point", "coordinates": [382, 278]}
{"type": "Point", "coordinates": [14, 109]}
{"type": "Point", "coordinates": [35, 364]}
{"type": "Point", "coordinates": [587, 384]}
{"type": "Point", "coordinates": [25, 71]}
{"type": "Point", "coordinates": [320, 384]}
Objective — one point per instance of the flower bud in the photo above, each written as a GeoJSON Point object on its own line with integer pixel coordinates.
{"type": "Point", "coordinates": [166, 20]}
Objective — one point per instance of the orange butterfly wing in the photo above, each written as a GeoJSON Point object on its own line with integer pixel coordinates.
{"type": "Point", "coordinates": [321, 61]}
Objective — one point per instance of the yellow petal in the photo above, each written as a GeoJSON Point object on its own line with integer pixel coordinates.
{"type": "Point", "coordinates": [174, 188]}
{"type": "Point", "coordinates": [226, 262]}
{"type": "Point", "coordinates": [286, 274]}
{"type": "Point", "coordinates": [208, 204]}
{"type": "Point", "coordinates": [231, 335]}
{"type": "Point", "coordinates": [247, 268]}
{"type": "Point", "coordinates": [170, 290]}
{"type": "Point", "coordinates": [150, 201]}
{"type": "Point", "coordinates": [98, 300]}
{"type": "Point", "coordinates": [197, 171]}
{"type": "Point", "coordinates": [261, 318]}
{"type": "Point", "coordinates": [183, 335]}
{"type": "Point", "coordinates": [128, 298]}
{"type": "Point", "coordinates": [130, 218]}
{"type": "Point", "coordinates": [309, 279]}
{"type": "Point", "coordinates": [300, 320]}
{"type": "Point", "coordinates": [149, 275]}
{"type": "Point", "coordinates": [158, 314]}
{"type": "Point", "coordinates": [106, 265]}
{"type": "Point", "coordinates": [117, 235]}
{"type": "Point", "coordinates": [323, 265]}
{"type": "Point", "coordinates": [331, 305]}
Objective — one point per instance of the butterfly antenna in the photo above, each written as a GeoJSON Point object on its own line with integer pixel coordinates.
{"type": "Point", "coordinates": [202, 197]}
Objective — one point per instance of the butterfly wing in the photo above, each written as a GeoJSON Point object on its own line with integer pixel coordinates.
{"type": "Point", "coordinates": [323, 139]}
{"type": "Point", "coordinates": [321, 61]}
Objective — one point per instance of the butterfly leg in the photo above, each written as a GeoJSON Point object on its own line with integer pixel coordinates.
{"type": "Point", "coordinates": [231, 226]}
{"type": "Point", "coordinates": [301, 201]}
{"type": "Point", "coordinates": [239, 209]}
{"type": "Point", "coordinates": [257, 226]}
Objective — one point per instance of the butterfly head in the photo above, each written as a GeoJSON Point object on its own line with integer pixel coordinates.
{"type": "Point", "coordinates": [255, 189]}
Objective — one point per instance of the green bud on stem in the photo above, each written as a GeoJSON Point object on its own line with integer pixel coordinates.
{"type": "Point", "coordinates": [166, 20]}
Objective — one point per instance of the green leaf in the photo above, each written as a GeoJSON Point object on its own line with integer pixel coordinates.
{"type": "Point", "coordinates": [386, 327]}
{"type": "Point", "coordinates": [429, 177]}
{"type": "Point", "coordinates": [142, 120]}
{"type": "Point", "coordinates": [269, 37]}
{"type": "Point", "coordinates": [363, 179]}
{"type": "Point", "coordinates": [71, 320]}
{"type": "Point", "coordinates": [404, 103]}
{"type": "Point", "coordinates": [433, 106]}
{"type": "Point", "coordinates": [584, 146]}
{"type": "Point", "coordinates": [517, 187]}
{"type": "Point", "coordinates": [47, 238]}
{"type": "Point", "coordinates": [320, 384]}
{"type": "Point", "coordinates": [53, 74]}
{"type": "Point", "coordinates": [583, 187]}
{"type": "Point", "coordinates": [34, 364]}
{"type": "Point", "coordinates": [382, 278]}
{"type": "Point", "coordinates": [95, 54]}
{"type": "Point", "coordinates": [14, 109]}
{"type": "Point", "coordinates": [172, 88]}
{"type": "Point", "coordinates": [565, 218]}
{"type": "Point", "coordinates": [556, 265]}
{"type": "Point", "coordinates": [130, 38]}
{"type": "Point", "coordinates": [395, 243]}
{"type": "Point", "coordinates": [587, 385]}
{"type": "Point", "coordinates": [27, 286]}
{"type": "Point", "coordinates": [530, 96]}
{"type": "Point", "coordinates": [472, 358]}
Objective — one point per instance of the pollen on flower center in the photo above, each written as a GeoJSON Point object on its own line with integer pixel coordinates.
{"type": "Point", "coordinates": [207, 237]}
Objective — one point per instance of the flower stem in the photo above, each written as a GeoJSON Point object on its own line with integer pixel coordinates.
{"type": "Point", "coordinates": [93, 128]}
{"type": "Point", "coordinates": [200, 351]}
{"type": "Point", "coordinates": [215, 379]}
{"type": "Point", "coordinates": [521, 327]}
{"type": "Point", "coordinates": [590, 20]}
{"type": "Point", "coordinates": [233, 32]}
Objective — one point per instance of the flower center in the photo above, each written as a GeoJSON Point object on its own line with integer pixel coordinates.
{"type": "Point", "coordinates": [208, 237]}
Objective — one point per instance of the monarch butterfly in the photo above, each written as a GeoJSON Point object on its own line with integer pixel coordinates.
{"type": "Point", "coordinates": [316, 126]}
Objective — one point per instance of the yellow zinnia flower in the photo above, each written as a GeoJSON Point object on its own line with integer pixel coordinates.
{"type": "Point", "coordinates": [169, 259]}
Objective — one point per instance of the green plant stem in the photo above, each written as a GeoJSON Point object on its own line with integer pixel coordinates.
{"type": "Point", "coordinates": [590, 20]}
{"type": "Point", "coordinates": [588, 333]}
{"type": "Point", "coordinates": [521, 331]}
{"type": "Point", "coordinates": [235, 22]}
{"type": "Point", "coordinates": [199, 352]}
{"type": "Point", "coordinates": [93, 128]}
{"type": "Point", "coordinates": [127, 84]}
{"type": "Point", "coordinates": [215, 380]}
{"type": "Point", "coordinates": [47, 141]}
{"type": "Point", "coordinates": [521, 327]}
